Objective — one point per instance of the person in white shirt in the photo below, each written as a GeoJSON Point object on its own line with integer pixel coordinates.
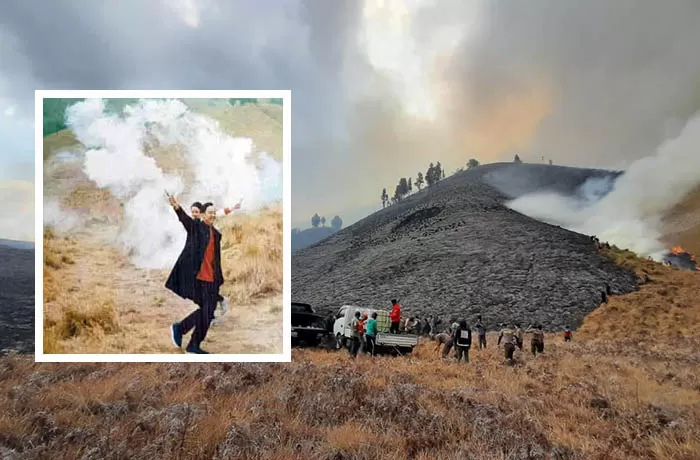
{"type": "Point", "coordinates": [227, 211]}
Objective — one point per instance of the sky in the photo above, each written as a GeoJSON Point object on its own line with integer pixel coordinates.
{"type": "Point", "coordinates": [380, 88]}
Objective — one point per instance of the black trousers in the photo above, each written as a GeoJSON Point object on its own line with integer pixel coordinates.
{"type": "Point", "coordinates": [355, 345]}
{"type": "Point", "coordinates": [370, 344]}
{"type": "Point", "coordinates": [394, 328]}
{"type": "Point", "coordinates": [199, 320]}
{"type": "Point", "coordinates": [482, 341]}
{"type": "Point", "coordinates": [536, 347]}
{"type": "Point", "coordinates": [462, 351]}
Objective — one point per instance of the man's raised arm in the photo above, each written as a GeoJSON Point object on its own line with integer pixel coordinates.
{"type": "Point", "coordinates": [182, 216]}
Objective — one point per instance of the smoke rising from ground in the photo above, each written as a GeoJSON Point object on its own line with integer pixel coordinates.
{"type": "Point", "coordinates": [628, 211]}
{"type": "Point", "coordinates": [60, 220]}
{"type": "Point", "coordinates": [121, 157]}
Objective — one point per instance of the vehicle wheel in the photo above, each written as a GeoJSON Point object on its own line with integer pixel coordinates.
{"type": "Point", "coordinates": [339, 342]}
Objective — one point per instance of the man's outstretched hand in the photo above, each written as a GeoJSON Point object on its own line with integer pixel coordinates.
{"type": "Point", "coordinates": [227, 211]}
{"type": "Point", "coordinates": [173, 202]}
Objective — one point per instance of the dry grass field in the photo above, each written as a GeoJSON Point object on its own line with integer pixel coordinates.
{"type": "Point", "coordinates": [627, 387]}
{"type": "Point", "coordinates": [97, 302]}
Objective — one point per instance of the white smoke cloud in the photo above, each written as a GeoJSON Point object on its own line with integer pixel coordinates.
{"type": "Point", "coordinates": [223, 169]}
{"type": "Point", "coordinates": [59, 219]}
{"type": "Point", "coordinates": [630, 214]}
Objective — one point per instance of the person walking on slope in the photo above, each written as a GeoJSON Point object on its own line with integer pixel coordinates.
{"type": "Point", "coordinates": [445, 340]}
{"type": "Point", "coordinates": [395, 317]}
{"type": "Point", "coordinates": [481, 333]}
{"type": "Point", "coordinates": [371, 334]}
{"type": "Point", "coordinates": [197, 276]}
{"type": "Point", "coordinates": [567, 334]}
{"type": "Point", "coordinates": [537, 341]}
{"type": "Point", "coordinates": [509, 338]}
{"type": "Point", "coordinates": [463, 341]}
{"type": "Point", "coordinates": [519, 336]}
{"type": "Point", "coordinates": [451, 343]}
{"type": "Point", "coordinates": [357, 331]}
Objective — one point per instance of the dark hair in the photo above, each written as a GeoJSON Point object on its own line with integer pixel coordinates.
{"type": "Point", "coordinates": [357, 314]}
{"type": "Point", "coordinates": [197, 205]}
{"type": "Point", "coordinates": [374, 314]}
{"type": "Point", "coordinates": [463, 324]}
{"type": "Point", "coordinates": [393, 301]}
{"type": "Point", "coordinates": [206, 205]}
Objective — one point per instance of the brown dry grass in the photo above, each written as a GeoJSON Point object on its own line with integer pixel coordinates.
{"type": "Point", "coordinates": [251, 255]}
{"type": "Point", "coordinates": [665, 307]}
{"type": "Point", "coordinates": [97, 302]}
{"type": "Point", "coordinates": [614, 392]}
{"type": "Point", "coordinates": [70, 318]}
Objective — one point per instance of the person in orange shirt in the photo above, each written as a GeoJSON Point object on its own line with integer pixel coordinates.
{"type": "Point", "coordinates": [197, 275]}
{"type": "Point", "coordinates": [395, 317]}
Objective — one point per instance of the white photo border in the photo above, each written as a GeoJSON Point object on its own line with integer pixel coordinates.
{"type": "Point", "coordinates": [39, 96]}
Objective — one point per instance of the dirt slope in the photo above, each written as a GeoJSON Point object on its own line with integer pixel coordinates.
{"type": "Point", "coordinates": [100, 303]}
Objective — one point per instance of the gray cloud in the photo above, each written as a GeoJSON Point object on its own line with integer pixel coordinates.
{"type": "Point", "coordinates": [612, 75]}
{"type": "Point", "coordinates": [18, 209]}
{"type": "Point", "coordinates": [589, 83]}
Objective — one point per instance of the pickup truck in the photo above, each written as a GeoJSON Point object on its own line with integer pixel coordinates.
{"type": "Point", "coordinates": [307, 326]}
{"type": "Point", "coordinates": [398, 343]}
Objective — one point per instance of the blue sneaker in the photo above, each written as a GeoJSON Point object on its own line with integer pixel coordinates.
{"type": "Point", "coordinates": [176, 334]}
{"type": "Point", "coordinates": [194, 349]}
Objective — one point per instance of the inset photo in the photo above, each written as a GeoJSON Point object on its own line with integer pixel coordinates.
{"type": "Point", "coordinates": [163, 222]}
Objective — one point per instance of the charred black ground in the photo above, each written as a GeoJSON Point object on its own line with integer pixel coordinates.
{"type": "Point", "coordinates": [456, 250]}
{"type": "Point", "coordinates": [683, 260]}
{"type": "Point", "coordinates": [16, 297]}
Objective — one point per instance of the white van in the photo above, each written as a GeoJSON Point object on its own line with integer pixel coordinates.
{"type": "Point", "coordinates": [342, 330]}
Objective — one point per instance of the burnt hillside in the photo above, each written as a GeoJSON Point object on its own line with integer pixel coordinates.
{"type": "Point", "coordinates": [309, 236]}
{"type": "Point", "coordinates": [456, 249]}
{"type": "Point", "coordinates": [16, 297]}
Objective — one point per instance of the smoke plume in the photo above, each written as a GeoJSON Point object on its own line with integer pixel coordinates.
{"type": "Point", "coordinates": [628, 212]}
{"type": "Point", "coordinates": [120, 156]}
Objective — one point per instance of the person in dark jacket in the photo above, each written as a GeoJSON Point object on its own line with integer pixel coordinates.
{"type": "Point", "coordinates": [463, 341]}
{"type": "Point", "coordinates": [197, 209]}
{"type": "Point", "coordinates": [197, 276]}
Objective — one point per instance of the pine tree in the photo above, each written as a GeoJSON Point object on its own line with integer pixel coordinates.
{"type": "Point", "coordinates": [420, 181]}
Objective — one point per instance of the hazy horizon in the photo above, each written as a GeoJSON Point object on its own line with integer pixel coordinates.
{"type": "Point", "coordinates": [379, 89]}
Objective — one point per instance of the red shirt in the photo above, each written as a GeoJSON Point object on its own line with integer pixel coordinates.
{"type": "Point", "coordinates": [206, 271]}
{"type": "Point", "coordinates": [395, 314]}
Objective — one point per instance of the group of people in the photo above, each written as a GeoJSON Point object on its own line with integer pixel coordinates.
{"type": "Point", "coordinates": [364, 329]}
{"type": "Point", "coordinates": [459, 336]}
{"type": "Point", "coordinates": [364, 334]}
{"type": "Point", "coordinates": [197, 274]}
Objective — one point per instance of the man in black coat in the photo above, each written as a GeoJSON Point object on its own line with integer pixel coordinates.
{"type": "Point", "coordinates": [197, 275]}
